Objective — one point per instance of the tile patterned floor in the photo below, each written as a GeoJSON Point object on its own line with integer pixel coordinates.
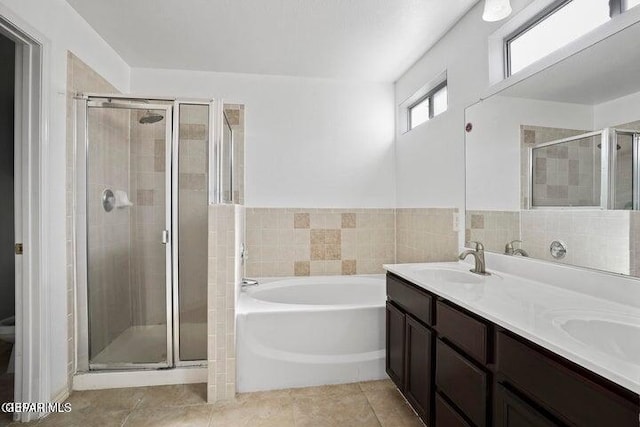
{"type": "Point", "coordinates": [375, 403]}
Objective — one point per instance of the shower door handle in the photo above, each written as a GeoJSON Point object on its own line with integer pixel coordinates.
{"type": "Point", "coordinates": [165, 237]}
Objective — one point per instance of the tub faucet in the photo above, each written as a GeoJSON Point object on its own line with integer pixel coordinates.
{"type": "Point", "coordinates": [478, 255]}
{"type": "Point", "coordinates": [509, 249]}
{"type": "Point", "coordinates": [247, 283]}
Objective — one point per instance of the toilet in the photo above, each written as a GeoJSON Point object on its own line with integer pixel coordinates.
{"type": "Point", "coordinates": [8, 334]}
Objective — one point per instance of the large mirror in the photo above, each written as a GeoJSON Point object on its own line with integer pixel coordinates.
{"type": "Point", "coordinates": [552, 162]}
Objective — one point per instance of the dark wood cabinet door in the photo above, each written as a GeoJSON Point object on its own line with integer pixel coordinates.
{"type": "Point", "coordinates": [511, 411]}
{"type": "Point", "coordinates": [418, 362]}
{"type": "Point", "coordinates": [446, 416]}
{"type": "Point", "coordinates": [395, 344]}
{"type": "Point", "coordinates": [462, 382]}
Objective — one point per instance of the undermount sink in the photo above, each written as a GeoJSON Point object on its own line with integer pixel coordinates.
{"type": "Point", "coordinates": [618, 336]}
{"type": "Point", "coordinates": [449, 275]}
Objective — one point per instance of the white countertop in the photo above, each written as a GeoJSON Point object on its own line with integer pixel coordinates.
{"type": "Point", "coordinates": [535, 311]}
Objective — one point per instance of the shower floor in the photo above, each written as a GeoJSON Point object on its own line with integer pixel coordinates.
{"type": "Point", "coordinates": [148, 344]}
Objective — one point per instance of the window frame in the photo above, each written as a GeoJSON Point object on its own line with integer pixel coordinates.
{"type": "Point", "coordinates": [616, 7]}
{"type": "Point", "coordinates": [427, 96]}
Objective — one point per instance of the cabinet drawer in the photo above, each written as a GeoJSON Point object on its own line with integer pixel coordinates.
{"type": "Point", "coordinates": [446, 416]}
{"type": "Point", "coordinates": [511, 411]}
{"type": "Point", "coordinates": [462, 382]}
{"type": "Point", "coordinates": [417, 303]}
{"type": "Point", "coordinates": [574, 398]}
{"type": "Point", "coordinates": [462, 330]}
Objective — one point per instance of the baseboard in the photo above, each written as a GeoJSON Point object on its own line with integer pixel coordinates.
{"type": "Point", "coordinates": [61, 396]}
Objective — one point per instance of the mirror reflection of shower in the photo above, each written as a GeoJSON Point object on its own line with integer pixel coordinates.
{"type": "Point", "coordinates": [150, 117]}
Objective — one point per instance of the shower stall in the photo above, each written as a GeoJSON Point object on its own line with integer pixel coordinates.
{"type": "Point", "coordinates": [597, 169]}
{"type": "Point", "coordinates": [142, 186]}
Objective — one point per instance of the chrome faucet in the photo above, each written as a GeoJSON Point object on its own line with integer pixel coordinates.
{"type": "Point", "coordinates": [247, 283]}
{"type": "Point", "coordinates": [509, 249]}
{"type": "Point", "coordinates": [478, 255]}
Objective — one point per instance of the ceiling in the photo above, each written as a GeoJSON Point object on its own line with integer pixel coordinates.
{"type": "Point", "coordinates": [371, 40]}
{"type": "Point", "coordinates": [605, 71]}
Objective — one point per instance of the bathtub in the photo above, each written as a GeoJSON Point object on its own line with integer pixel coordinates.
{"type": "Point", "coordinates": [297, 332]}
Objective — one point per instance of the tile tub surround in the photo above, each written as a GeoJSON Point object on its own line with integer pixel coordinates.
{"type": "Point", "coordinates": [375, 403]}
{"type": "Point", "coordinates": [303, 242]}
{"type": "Point", "coordinates": [225, 234]}
{"type": "Point", "coordinates": [426, 235]}
{"type": "Point", "coordinates": [493, 228]}
{"type": "Point", "coordinates": [311, 242]}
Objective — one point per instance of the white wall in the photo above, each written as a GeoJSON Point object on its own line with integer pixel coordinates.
{"type": "Point", "coordinates": [65, 30]}
{"type": "Point", "coordinates": [617, 111]}
{"type": "Point", "coordinates": [493, 146]}
{"type": "Point", "coordinates": [309, 142]}
{"type": "Point", "coordinates": [430, 158]}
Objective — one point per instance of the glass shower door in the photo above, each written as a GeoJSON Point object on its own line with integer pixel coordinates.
{"type": "Point", "coordinates": [128, 230]}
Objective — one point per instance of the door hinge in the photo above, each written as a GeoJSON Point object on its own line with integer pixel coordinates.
{"type": "Point", "coordinates": [18, 248]}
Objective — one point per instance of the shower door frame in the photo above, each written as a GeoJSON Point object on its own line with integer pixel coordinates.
{"type": "Point", "coordinates": [175, 213]}
{"type": "Point", "coordinates": [82, 280]}
{"type": "Point", "coordinates": [635, 160]}
{"type": "Point", "coordinates": [172, 107]}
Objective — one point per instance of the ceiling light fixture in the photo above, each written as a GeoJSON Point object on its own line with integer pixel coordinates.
{"type": "Point", "coordinates": [495, 10]}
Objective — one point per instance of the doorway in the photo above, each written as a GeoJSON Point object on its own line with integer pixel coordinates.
{"type": "Point", "coordinates": [7, 222]}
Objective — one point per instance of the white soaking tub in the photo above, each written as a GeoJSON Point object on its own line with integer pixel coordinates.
{"type": "Point", "coordinates": [306, 331]}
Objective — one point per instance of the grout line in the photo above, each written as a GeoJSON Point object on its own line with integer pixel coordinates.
{"type": "Point", "coordinates": [124, 421]}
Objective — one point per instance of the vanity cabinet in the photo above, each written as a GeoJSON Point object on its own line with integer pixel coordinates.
{"type": "Point", "coordinates": [458, 369]}
{"type": "Point", "coordinates": [410, 342]}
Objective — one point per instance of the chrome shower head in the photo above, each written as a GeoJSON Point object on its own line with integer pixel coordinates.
{"type": "Point", "coordinates": [150, 117]}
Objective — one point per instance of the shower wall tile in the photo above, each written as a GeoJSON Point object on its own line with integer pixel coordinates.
{"type": "Point", "coordinates": [82, 78]}
{"type": "Point", "coordinates": [303, 242]}
{"type": "Point", "coordinates": [582, 230]}
{"type": "Point", "coordinates": [148, 254]}
{"type": "Point", "coordinates": [563, 175]}
{"type": "Point", "coordinates": [226, 223]}
{"type": "Point", "coordinates": [426, 235]}
{"type": "Point", "coordinates": [493, 228]}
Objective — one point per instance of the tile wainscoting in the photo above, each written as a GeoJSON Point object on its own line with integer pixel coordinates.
{"type": "Point", "coordinates": [426, 235]}
{"type": "Point", "coordinates": [310, 242]}
{"type": "Point", "coordinates": [580, 229]}
{"type": "Point", "coordinates": [493, 228]}
{"type": "Point", "coordinates": [303, 242]}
